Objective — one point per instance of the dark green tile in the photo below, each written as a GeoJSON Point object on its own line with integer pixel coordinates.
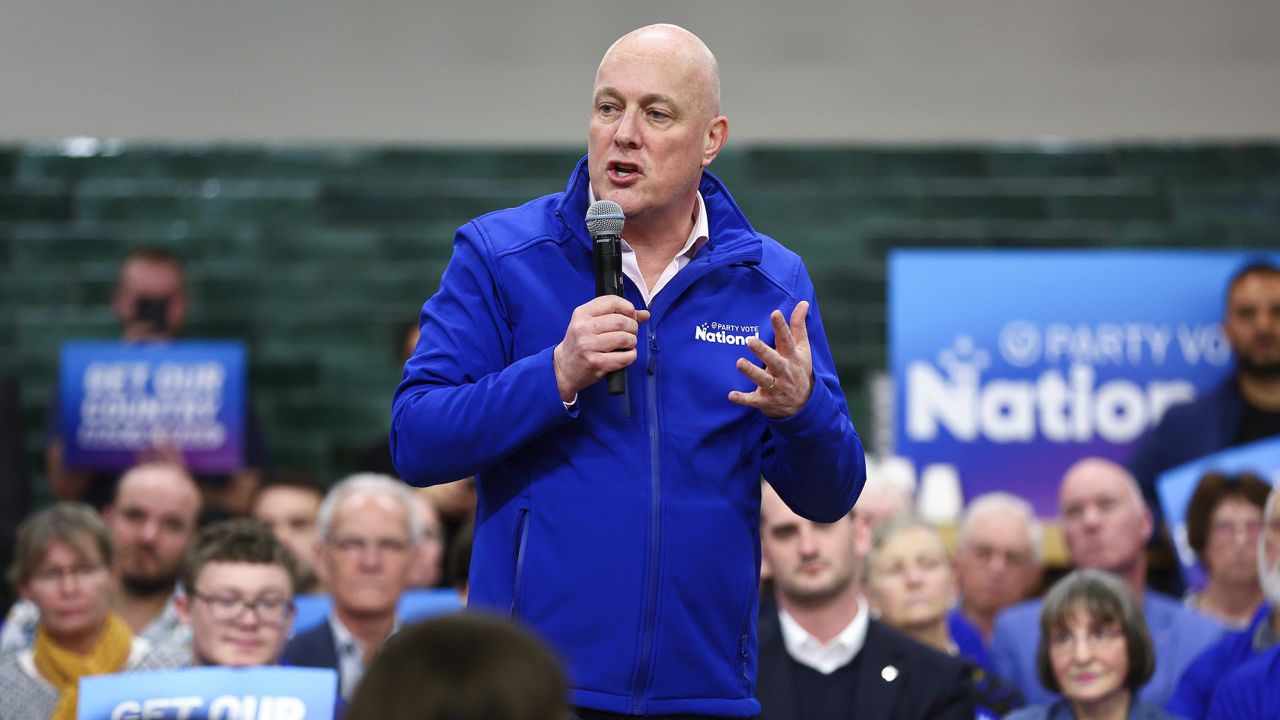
{"type": "Point", "coordinates": [34, 202]}
{"type": "Point", "coordinates": [1226, 202]}
{"type": "Point", "coordinates": [1173, 161]}
{"type": "Point", "coordinates": [1110, 206]}
{"type": "Point", "coordinates": [137, 200]}
{"type": "Point", "coordinates": [1070, 161]}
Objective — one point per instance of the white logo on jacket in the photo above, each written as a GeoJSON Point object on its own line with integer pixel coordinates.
{"type": "Point", "coordinates": [725, 333]}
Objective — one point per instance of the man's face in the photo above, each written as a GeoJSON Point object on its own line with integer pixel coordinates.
{"type": "Point", "coordinates": [996, 566]}
{"type": "Point", "coordinates": [72, 589]}
{"type": "Point", "coordinates": [225, 630]}
{"type": "Point", "coordinates": [810, 562]}
{"type": "Point", "coordinates": [152, 521]}
{"type": "Point", "coordinates": [1105, 523]}
{"type": "Point", "coordinates": [652, 129]}
{"type": "Point", "coordinates": [150, 300]}
{"type": "Point", "coordinates": [369, 553]}
{"type": "Point", "coordinates": [1269, 554]}
{"type": "Point", "coordinates": [290, 513]}
{"type": "Point", "coordinates": [1252, 324]}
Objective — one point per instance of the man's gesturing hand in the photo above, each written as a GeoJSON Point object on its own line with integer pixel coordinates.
{"type": "Point", "coordinates": [596, 330]}
{"type": "Point", "coordinates": [785, 381]}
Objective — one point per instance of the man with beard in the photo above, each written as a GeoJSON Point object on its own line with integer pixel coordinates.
{"type": "Point", "coordinates": [152, 521]}
{"type": "Point", "coordinates": [1206, 673]}
{"type": "Point", "coordinates": [821, 654]}
{"type": "Point", "coordinates": [1245, 407]}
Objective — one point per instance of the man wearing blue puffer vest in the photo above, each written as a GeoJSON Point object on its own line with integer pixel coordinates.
{"type": "Point", "coordinates": [625, 528]}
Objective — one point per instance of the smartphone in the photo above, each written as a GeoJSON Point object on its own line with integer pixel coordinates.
{"type": "Point", "coordinates": [154, 312]}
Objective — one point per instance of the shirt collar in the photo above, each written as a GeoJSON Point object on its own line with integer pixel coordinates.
{"type": "Point", "coordinates": [826, 659]}
{"type": "Point", "coordinates": [698, 236]}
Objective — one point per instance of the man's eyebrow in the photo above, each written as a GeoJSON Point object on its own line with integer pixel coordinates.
{"type": "Point", "coordinates": [646, 99]}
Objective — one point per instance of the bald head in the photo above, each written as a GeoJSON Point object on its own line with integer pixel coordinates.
{"type": "Point", "coordinates": [676, 47]}
{"type": "Point", "coordinates": [1104, 518]}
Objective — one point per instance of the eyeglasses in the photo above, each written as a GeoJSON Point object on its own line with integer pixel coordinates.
{"type": "Point", "coordinates": [1229, 529]}
{"type": "Point", "coordinates": [355, 546]}
{"type": "Point", "coordinates": [226, 608]}
{"type": "Point", "coordinates": [1064, 641]}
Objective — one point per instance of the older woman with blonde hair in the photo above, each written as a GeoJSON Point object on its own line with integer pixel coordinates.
{"type": "Point", "coordinates": [63, 564]}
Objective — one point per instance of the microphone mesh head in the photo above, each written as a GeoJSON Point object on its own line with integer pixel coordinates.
{"type": "Point", "coordinates": [605, 217]}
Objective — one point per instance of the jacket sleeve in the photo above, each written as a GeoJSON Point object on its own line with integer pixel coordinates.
{"type": "Point", "coordinates": [814, 459]}
{"type": "Point", "coordinates": [464, 402]}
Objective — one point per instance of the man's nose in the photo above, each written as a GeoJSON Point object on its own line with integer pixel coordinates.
{"type": "Point", "coordinates": [808, 547]}
{"type": "Point", "coordinates": [627, 131]}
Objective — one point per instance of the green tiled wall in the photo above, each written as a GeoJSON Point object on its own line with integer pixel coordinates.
{"type": "Point", "coordinates": [316, 256]}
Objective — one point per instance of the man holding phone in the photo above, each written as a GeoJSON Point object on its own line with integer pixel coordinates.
{"type": "Point", "coordinates": [150, 300]}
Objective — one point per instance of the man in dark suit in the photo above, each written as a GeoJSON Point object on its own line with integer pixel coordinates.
{"type": "Point", "coordinates": [369, 527]}
{"type": "Point", "coordinates": [821, 655]}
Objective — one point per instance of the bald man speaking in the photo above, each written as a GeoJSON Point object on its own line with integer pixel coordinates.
{"type": "Point", "coordinates": [624, 528]}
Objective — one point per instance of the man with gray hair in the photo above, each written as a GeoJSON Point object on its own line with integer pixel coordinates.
{"type": "Point", "coordinates": [1106, 525]}
{"type": "Point", "coordinates": [999, 560]}
{"type": "Point", "coordinates": [369, 528]}
{"type": "Point", "coordinates": [1204, 675]}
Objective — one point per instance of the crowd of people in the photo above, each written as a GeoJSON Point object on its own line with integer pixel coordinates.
{"type": "Point", "coordinates": [690, 548]}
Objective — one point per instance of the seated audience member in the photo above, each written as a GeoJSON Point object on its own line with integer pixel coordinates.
{"type": "Point", "coordinates": [1094, 648]}
{"type": "Point", "coordinates": [151, 523]}
{"type": "Point", "coordinates": [911, 588]}
{"type": "Point", "coordinates": [369, 530]}
{"type": "Point", "coordinates": [428, 570]}
{"type": "Point", "coordinates": [240, 585]}
{"type": "Point", "coordinates": [1201, 678]}
{"type": "Point", "coordinates": [1223, 522]}
{"type": "Point", "coordinates": [821, 654]}
{"type": "Point", "coordinates": [1106, 525]}
{"type": "Point", "coordinates": [63, 566]}
{"type": "Point", "coordinates": [150, 301]}
{"type": "Point", "coordinates": [288, 505]}
{"type": "Point", "coordinates": [462, 667]}
{"type": "Point", "coordinates": [998, 560]}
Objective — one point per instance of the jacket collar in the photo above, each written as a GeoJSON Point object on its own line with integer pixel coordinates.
{"type": "Point", "coordinates": [730, 234]}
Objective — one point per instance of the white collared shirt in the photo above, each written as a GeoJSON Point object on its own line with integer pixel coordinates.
{"type": "Point", "coordinates": [825, 658]}
{"type": "Point", "coordinates": [631, 267]}
{"type": "Point", "coordinates": [350, 655]}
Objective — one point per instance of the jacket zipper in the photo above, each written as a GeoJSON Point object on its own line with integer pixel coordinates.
{"type": "Point", "coordinates": [522, 537]}
{"type": "Point", "coordinates": [655, 530]}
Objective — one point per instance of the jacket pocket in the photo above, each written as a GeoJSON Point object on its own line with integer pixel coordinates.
{"type": "Point", "coordinates": [520, 541]}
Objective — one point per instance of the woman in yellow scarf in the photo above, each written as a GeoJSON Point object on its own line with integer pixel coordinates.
{"type": "Point", "coordinates": [63, 564]}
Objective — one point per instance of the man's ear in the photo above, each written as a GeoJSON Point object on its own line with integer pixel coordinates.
{"type": "Point", "coordinates": [717, 134]}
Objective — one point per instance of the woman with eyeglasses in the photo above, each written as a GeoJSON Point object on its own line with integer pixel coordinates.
{"type": "Point", "coordinates": [63, 565]}
{"type": "Point", "coordinates": [1224, 519]}
{"type": "Point", "coordinates": [1095, 649]}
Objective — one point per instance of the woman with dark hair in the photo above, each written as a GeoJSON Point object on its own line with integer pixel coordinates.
{"type": "Point", "coordinates": [462, 667]}
{"type": "Point", "coordinates": [1223, 522]}
{"type": "Point", "coordinates": [1095, 649]}
{"type": "Point", "coordinates": [62, 564]}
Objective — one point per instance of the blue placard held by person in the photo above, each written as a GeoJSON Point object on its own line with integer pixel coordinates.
{"type": "Point", "coordinates": [122, 400]}
{"type": "Point", "coordinates": [211, 693]}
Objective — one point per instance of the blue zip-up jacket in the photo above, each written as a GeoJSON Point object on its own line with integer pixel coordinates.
{"type": "Point", "coordinates": [629, 539]}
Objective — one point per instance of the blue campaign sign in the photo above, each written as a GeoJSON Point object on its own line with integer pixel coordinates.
{"type": "Point", "coordinates": [211, 693]}
{"type": "Point", "coordinates": [1176, 486]}
{"type": "Point", "coordinates": [1011, 365]}
{"type": "Point", "coordinates": [416, 604]}
{"type": "Point", "coordinates": [117, 400]}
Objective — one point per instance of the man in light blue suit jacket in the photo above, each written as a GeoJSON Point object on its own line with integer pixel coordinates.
{"type": "Point", "coordinates": [1107, 525]}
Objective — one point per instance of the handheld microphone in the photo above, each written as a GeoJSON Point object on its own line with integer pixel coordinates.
{"type": "Point", "coordinates": [604, 223]}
